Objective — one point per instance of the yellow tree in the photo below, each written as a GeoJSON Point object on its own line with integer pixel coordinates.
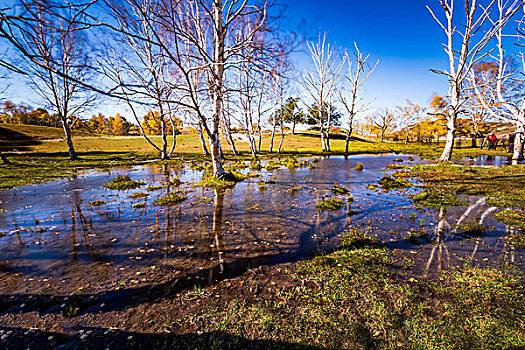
{"type": "Point", "coordinates": [119, 125]}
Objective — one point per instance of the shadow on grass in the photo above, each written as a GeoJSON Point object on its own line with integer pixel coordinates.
{"type": "Point", "coordinates": [103, 338]}
{"type": "Point", "coordinates": [10, 140]}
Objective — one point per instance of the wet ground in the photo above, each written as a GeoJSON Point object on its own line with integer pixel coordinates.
{"type": "Point", "coordinates": [54, 245]}
{"type": "Point", "coordinates": [487, 160]}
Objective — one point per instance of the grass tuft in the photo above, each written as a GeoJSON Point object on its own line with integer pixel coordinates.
{"type": "Point", "coordinates": [330, 204]}
{"type": "Point", "coordinates": [123, 182]}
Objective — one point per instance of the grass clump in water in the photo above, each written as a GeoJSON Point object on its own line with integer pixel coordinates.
{"type": "Point", "coordinates": [358, 166]}
{"type": "Point", "coordinates": [255, 166]}
{"type": "Point", "coordinates": [154, 188]}
{"type": "Point", "coordinates": [169, 200]}
{"type": "Point", "coordinates": [175, 182]}
{"type": "Point", "coordinates": [338, 189]}
{"type": "Point", "coordinates": [210, 181]}
{"type": "Point", "coordinates": [389, 183]}
{"type": "Point", "coordinates": [396, 166]}
{"type": "Point", "coordinates": [255, 207]}
{"type": "Point", "coordinates": [138, 195]}
{"type": "Point", "coordinates": [330, 204]}
{"type": "Point", "coordinates": [436, 199]}
{"type": "Point", "coordinates": [123, 182]}
{"type": "Point", "coordinates": [138, 205]}
{"type": "Point", "coordinates": [96, 203]}
{"type": "Point", "coordinates": [201, 167]}
{"type": "Point", "coordinates": [294, 188]}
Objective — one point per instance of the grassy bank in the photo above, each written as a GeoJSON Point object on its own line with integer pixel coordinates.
{"type": "Point", "coordinates": [356, 297]}
{"type": "Point", "coordinates": [503, 186]}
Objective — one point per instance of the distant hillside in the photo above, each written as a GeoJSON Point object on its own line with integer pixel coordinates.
{"type": "Point", "coordinates": [19, 132]}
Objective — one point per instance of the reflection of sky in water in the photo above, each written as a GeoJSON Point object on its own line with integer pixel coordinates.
{"type": "Point", "coordinates": [50, 229]}
{"type": "Point", "coordinates": [486, 160]}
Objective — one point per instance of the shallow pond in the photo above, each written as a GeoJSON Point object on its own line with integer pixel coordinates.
{"type": "Point", "coordinates": [487, 160]}
{"type": "Point", "coordinates": [52, 237]}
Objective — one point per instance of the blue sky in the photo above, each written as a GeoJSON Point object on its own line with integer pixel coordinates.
{"type": "Point", "coordinates": [400, 33]}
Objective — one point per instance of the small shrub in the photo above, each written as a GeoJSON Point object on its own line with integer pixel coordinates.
{"type": "Point", "coordinates": [358, 166]}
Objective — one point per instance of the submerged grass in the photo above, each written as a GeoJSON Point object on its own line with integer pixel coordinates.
{"type": "Point", "coordinates": [123, 182]}
{"type": "Point", "coordinates": [350, 299]}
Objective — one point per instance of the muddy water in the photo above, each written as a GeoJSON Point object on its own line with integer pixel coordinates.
{"type": "Point", "coordinates": [51, 234]}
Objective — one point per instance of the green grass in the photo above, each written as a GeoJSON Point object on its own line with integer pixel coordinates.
{"type": "Point", "coordinates": [169, 200]}
{"type": "Point", "coordinates": [330, 204]}
{"type": "Point", "coordinates": [123, 182]}
{"type": "Point", "coordinates": [138, 195]}
{"type": "Point", "coordinates": [503, 186]}
{"type": "Point", "coordinates": [350, 299]}
{"type": "Point", "coordinates": [436, 199]}
{"type": "Point", "coordinates": [389, 183]}
{"type": "Point", "coordinates": [96, 203]}
{"type": "Point", "coordinates": [338, 189]}
{"type": "Point", "coordinates": [210, 181]}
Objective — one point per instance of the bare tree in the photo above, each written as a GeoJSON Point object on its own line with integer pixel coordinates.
{"type": "Point", "coordinates": [50, 39]}
{"type": "Point", "coordinates": [502, 101]}
{"type": "Point", "coordinates": [3, 89]}
{"type": "Point", "coordinates": [142, 71]}
{"type": "Point", "coordinates": [473, 36]}
{"type": "Point", "coordinates": [321, 85]}
{"type": "Point", "coordinates": [202, 39]}
{"type": "Point", "coordinates": [279, 84]}
{"type": "Point", "coordinates": [352, 97]}
{"type": "Point", "coordinates": [381, 122]}
{"type": "Point", "coordinates": [409, 117]}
